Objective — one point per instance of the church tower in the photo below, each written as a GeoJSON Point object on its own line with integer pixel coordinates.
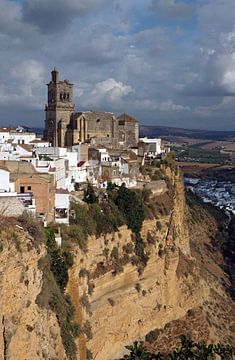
{"type": "Point", "coordinates": [58, 110]}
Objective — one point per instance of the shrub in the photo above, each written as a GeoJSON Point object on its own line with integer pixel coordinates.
{"type": "Point", "coordinates": [131, 206]}
{"type": "Point", "coordinates": [114, 253]}
{"type": "Point", "coordinates": [51, 297]}
{"type": "Point", "coordinates": [33, 227]}
{"type": "Point", "coordinates": [89, 195]}
{"type": "Point", "coordinates": [158, 225]}
{"type": "Point", "coordinates": [152, 336]}
{"type": "Point", "coordinates": [91, 287]}
{"type": "Point", "coordinates": [85, 303]}
{"type": "Point", "coordinates": [139, 250]}
{"type": "Point", "coordinates": [151, 238]}
{"type": "Point", "coordinates": [128, 248]}
{"type": "Point", "coordinates": [111, 301]}
{"type": "Point", "coordinates": [76, 234]}
{"type": "Point", "coordinates": [106, 252]}
{"type": "Point", "coordinates": [58, 264]}
{"type": "Point", "coordinates": [161, 253]}
{"type": "Point", "coordinates": [83, 272]}
{"type": "Point", "coordinates": [82, 218]}
{"type": "Point", "coordinates": [87, 330]}
{"type": "Point", "coordinates": [187, 350]}
{"type": "Point", "coordinates": [89, 355]}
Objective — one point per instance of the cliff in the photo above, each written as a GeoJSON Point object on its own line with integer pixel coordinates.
{"type": "Point", "coordinates": [27, 331]}
{"type": "Point", "coordinates": [118, 297]}
{"type": "Point", "coordinates": [116, 300]}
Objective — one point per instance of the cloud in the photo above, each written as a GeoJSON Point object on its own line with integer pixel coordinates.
{"type": "Point", "coordinates": [171, 8]}
{"type": "Point", "coordinates": [10, 17]}
{"type": "Point", "coordinates": [122, 57]}
{"type": "Point", "coordinates": [216, 16]}
{"type": "Point", "coordinates": [56, 15]}
{"type": "Point", "coordinates": [212, 68]}
{"type": "Point", "coordinates": [27, 92]}
{"type": "Point", "coordinates": [162, 106]}
{"type": "Point", "coordinates": [109, 91]}
{"type": "Point", "coordinates": [96, 44]}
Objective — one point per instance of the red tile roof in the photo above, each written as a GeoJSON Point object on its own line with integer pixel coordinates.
{"type": "Point", "coordinates": [80, 163]}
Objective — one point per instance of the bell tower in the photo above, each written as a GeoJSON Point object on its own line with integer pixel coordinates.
{"type": "Point", "coordinates": [58, 110]}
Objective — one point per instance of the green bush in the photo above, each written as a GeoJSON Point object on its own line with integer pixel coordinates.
{"type": "Point", "coordinates": [52, 297]}
{"type": "Point", "coordinates": [152, 336]}
{"type": "Point", "coordinates": [131, 206]}
{"type": "Point", "coordinates": [187, 350]}
{"type": "Point", "coordinates": [87, 330]}
{"type": "Point", "coordinates": [58, 264]}
{"type": "Point", "coordinates": [89, 195]}
{"type": "Point", "coordinates": [83, 219]}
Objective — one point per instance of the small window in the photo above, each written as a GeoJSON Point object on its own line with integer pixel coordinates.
{"type": "Point", "coordinates": [29, 188]}
{"type": "Point", "coordinates": [98, 120]}
{"type": "Point", "coordinates": [68, 96]}
{"type": "Point", "coordinates": [64, 96]}
{"type": "Point", "coordinates": [61, 96]}
{"type": "Point", "coordinates": [22, 189]}
{"type": "Point", "coordinates": [107, 135]}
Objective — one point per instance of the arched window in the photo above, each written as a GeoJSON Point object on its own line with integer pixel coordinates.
{"type": "Point", "coordinates": [64, 96]}
{"type": "Point", "coordinates": [68, 96]}
{"type": "Point", "coordinates": [61, 96]}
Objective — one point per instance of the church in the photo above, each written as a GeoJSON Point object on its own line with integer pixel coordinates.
{"type": "Point", "coordinates": [65, 127]}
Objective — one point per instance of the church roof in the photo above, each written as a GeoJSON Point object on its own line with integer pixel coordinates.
{"type": "Point", "coordinates": [127, 118]}
{"type": "Point", "coordinates": [97, 115]}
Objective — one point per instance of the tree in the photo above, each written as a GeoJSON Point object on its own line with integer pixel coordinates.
{"type": "Point", "coordinates": [131, 206]}
{"type": "Point", "coordinates": [188, 349]}
{"type": "Point", "coordinates": [89, 195]}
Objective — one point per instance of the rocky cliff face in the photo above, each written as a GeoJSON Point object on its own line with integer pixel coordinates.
{"type": "Point", "coordinates": [117, 298]}
{"type": "Point", "coordinates": [27, 331]}
{"type": "Point", "coordinates": [117, 301]}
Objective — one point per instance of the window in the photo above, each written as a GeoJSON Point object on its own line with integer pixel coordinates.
{"type": "Point", "coordinates": [68, 96]}
{"type": "Point", "coordinates": [107, 135]}
{"type": "Point", "coordinates": [22, 189]}
{"type": "Point", "coordinates": [61, 96]}
{"type": "Point", "coordinates": [29, 188]}
{"type": "Point", "coordinates": [98, 120]}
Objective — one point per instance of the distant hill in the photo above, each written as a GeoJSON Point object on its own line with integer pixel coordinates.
{"type": "Point", "coordinates": [164, 131]}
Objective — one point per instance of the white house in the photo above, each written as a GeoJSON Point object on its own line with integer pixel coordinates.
{"type": "Point", "coordinates": [4, 135]}
{"type": "Point", "coordinates": [4, 180]}
{"type": "Point", "coordinates": [62, 206]}
{"type": "Point", "coordinates": [153, 147]}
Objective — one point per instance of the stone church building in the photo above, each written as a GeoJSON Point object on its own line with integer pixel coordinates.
{"type": "Point", "coordinates": [66, 127]}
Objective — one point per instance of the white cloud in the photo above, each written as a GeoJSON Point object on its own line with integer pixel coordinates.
{"type": "Point", "coordinates": [108, 92]}
{"type": "Point", "coordinates": [27, 77]}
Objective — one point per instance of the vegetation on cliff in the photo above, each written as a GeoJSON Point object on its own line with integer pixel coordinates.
{"type": "Point", "coordinates": [188, 349]}
{"type": "Point", "coordinates": [55, 277]}
{"type": "Point", "coordinates": [121, 206]}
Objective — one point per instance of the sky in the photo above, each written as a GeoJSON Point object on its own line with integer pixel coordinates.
{"type": "Point", "coordinates": [165, 62]}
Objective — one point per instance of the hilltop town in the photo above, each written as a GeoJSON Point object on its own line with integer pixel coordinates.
{"type": "Point", "coordinates": [42, 174]}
